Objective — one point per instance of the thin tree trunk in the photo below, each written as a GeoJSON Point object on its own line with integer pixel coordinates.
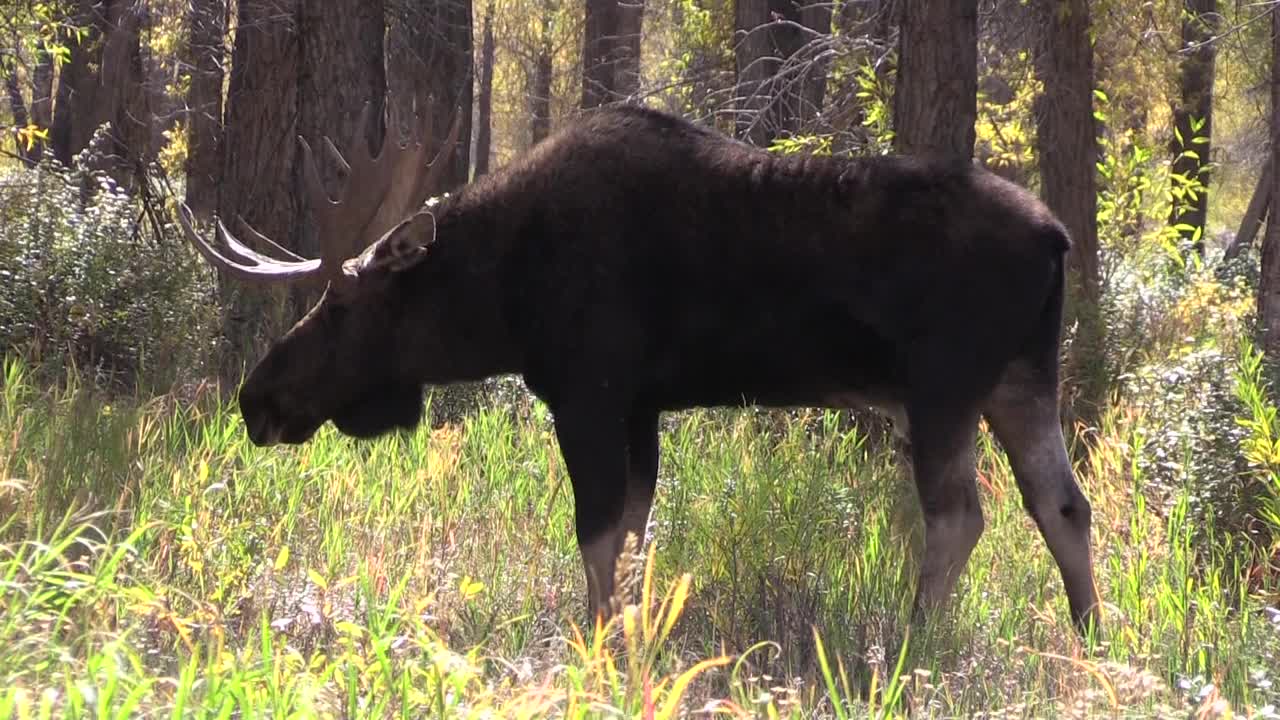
{"type": "Point", "coordinates": [540, 94]}
{"type": "Point", "coordinates": [18, 108]}
{"type": "Point", "coordinates": [484, 129]}
{"type": "Point", "coordinates": [208, 20]}
{"type": "Point", "coordinates": [1269, 282]}
{"type": "Point", "coordinates": [935, 103]}
{"type": "Point", "coordinates": [1068, 151]}
{"type": "Point", "coordinates": [1193, 118]}
{"type": "Point", "coordinates": [1256, 212]}
{"type": "Point", "coordinates": [626, 80]}
{"type": "Point", "coordinates": [42, 97]}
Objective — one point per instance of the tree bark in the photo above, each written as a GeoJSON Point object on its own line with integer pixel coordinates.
{"type": "Point", "coordinates": [1269, 282]}
{"type": "Point", "coordinates": [540, 93]}
{"type": "Point", "coordinates": [779, 88]}
{"type": "Point", "coordinates": [611, 51]}
{"type": "Point", "coordinates": [299, 67]}
{"type": "Point", "coordinates": [626, 80]}
{"type": "Point", "coordinates": [41, 100]}
{"type": "Point", "coordinates": [206, 42]}
{"type": "Point", "coordinates": [90, 99]}
{"type": "Point", "coordinates": [431, 54]}
{"type": "Point", "coordinates": [1191, 144]}
{"type": "Point", "coordinates": [18, 108]}
{"type": "Point", "coordinates": [484, 129]}
{"type": "Point", "coordinates": [113, 94]}
{"type": "Point", "coordinates": [1255, 213]}
{"type": "Point", "coordinates": [1068, 152]}
{"type": "Point", "coordinates": [75, 102]}
{"type": "Point", "coordinates": [341, 69]}
{"type": "Point", "coordinates": [258, 159]}
{"type": "Point", "coordinates": [935, 102]}
{"type": "Point", "coordinates": [599, 52]}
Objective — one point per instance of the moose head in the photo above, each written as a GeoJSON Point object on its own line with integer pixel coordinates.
{"type": "Point", "coordinates": [340, 361]}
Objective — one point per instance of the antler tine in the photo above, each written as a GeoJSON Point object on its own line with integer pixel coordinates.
{"type": "Point", "coordinates": [441, 159]}
{"type": "Point", "coordinates": [262, 270]}
{"type": "Point", "coordinates": [413, 178]}
{"type": "Point", "coordinates": [288, 254]}
{"type": "Point", "coordinates": [335, 155]}
{"type": "Point", "coordinates": [328, 221]}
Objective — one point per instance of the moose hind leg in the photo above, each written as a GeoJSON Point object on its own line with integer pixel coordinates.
{"type": "Point", "coordinates": [1023, 414]}
{"type": "Point", "coordinates": [942, 453]}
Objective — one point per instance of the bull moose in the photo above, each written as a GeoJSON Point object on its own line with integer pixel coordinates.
{"type": "Point", "coordinates": [634, 263]}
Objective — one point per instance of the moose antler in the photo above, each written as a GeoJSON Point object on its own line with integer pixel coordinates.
{"type": "Point", "coordinates": [378, 193]}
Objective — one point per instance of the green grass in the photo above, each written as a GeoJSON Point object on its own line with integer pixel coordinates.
{"type": "Point", "coordinates": [153, 562]}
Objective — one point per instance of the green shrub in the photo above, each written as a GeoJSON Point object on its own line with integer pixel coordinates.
{"type": "Point", "coordinates": [91, 281]}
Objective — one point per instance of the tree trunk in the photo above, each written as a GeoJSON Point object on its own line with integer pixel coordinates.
{"type": "Point", "coordinates": [1269, 282]}
{"type": "Point", "coordinates": [74, 99]}
{"type": "Point", "coordinates": [259, 155]}
{"type": "Point", "coordinates": [540, 95]}
{"type": "Point", "coordinates": [299, 67]}
{"type": "Point", "coordinates": [430, 55]}
{"type": "Point", "coordinates": [779, 87]}
{"type": "Point", "coordinates": [18, 108]}
{"type": "Point", "coordinates": [599, 53]}
{"type": "Point", "coordinates": [935, 102]}
{"type": "Point", "coordinates": [41, 97]}
{"type": "Point", "coordinates": [1256, 212]}
{"type": "Point", "coordinates": [484, 130]}
{"type": "Point", "coordinates": [207, 38]}
{"type": "Point", "coordinates": [341, 69]}
{"type": "Point", "coordinates": [1193, 119]}
{"type": "Point", "coordinates": [1068, 152]}
{"type": "Point", "coordinates": [626, 78]}
{"type": "Point", "coordinates": [113, 94]}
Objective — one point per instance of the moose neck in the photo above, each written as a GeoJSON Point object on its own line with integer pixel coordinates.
{"type": "Point", "coordinates": [460, 297]}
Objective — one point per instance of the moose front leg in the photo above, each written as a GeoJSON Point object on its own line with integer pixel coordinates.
{"type": "Point", "coordinates": [642, 475]}
{"type": "Point", "coordinates": [593, 442]}
{"type": "Point", "coordinates": [942, 449]}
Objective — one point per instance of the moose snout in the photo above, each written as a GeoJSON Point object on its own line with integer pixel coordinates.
{"type": "Point", "coordinates": [262, 418]}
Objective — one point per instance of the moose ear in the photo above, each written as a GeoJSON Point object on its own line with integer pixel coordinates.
{"type": "Point", "coordinates": [407, 242]}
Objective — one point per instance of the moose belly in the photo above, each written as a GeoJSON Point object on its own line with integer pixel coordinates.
{"type": "Point", "coordinates": [791, 368]}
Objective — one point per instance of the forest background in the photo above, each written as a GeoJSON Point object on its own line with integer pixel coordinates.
{"type": "Point", "coordinates": [153, 562]}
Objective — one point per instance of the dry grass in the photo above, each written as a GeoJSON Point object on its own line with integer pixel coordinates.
{"type": "Point", "coordinates": [154, 562]}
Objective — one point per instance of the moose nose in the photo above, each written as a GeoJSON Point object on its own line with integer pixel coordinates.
{"type": "Point", "coordinates": [261, 419]}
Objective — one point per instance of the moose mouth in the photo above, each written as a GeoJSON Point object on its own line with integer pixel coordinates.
{"type": "Point", "coordinates": [265, 431]}
{"type": "Point", "coordinates": [382, 410]}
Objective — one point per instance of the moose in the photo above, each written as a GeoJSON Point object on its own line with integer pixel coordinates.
{"type": "Point", "coordinates": [635, 263]}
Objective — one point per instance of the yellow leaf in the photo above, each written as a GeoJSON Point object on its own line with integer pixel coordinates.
{"type": "Point", "coordinates": [281, 559]}
{"type": "Point", "coordinates": [677, 605]}
{"type": "Point", "coordinates": [350, 628]}
{"type": "Point", "coordinates": [318, 579]}
{"type": "Point", "coordinates": [682, 682]}
{"type": "Point", "coordinates": [470, 588]}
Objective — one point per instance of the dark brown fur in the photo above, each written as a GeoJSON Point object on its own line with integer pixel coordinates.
{"type": "Point", "coordinates": [634, 263]}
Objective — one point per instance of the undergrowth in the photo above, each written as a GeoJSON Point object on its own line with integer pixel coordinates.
{"type": "Point", "coordinates": [154, 562]}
